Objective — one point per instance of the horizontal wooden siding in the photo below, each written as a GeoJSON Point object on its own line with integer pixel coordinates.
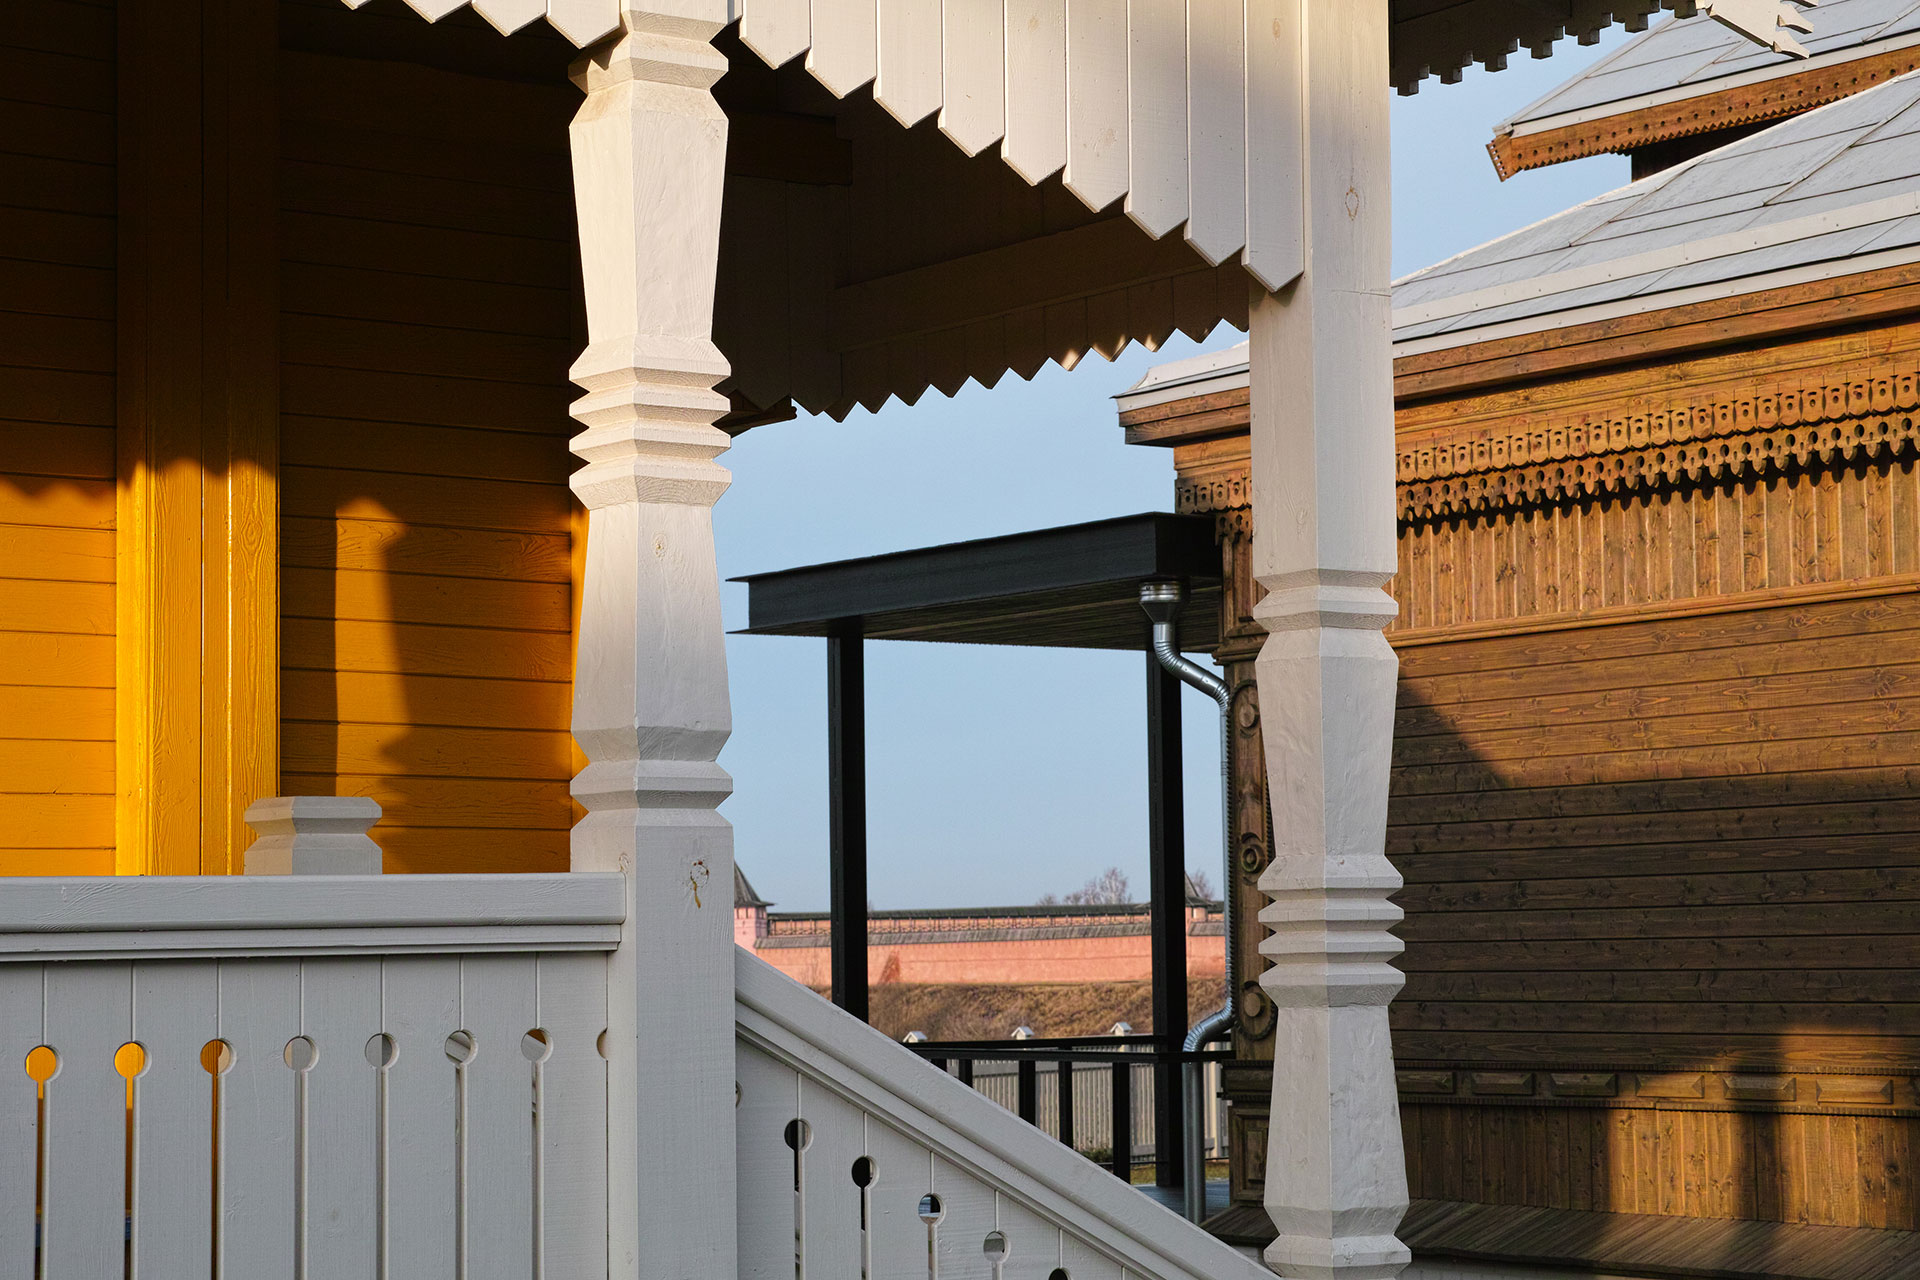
{"type": "Point", "coordinates": [57, 469]}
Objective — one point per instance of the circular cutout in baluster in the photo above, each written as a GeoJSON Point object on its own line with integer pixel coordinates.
{"type": "Point", "coordinates": [42, 1064]}
{"type": "Point", "coordinates": [863, 1171]}
{"type": "Point", "coordinates": [798, 1135]}
{"type": "Point", "coordinates": [216, 1057]}
{"type": "Point", "coordinates": [382, 1052]}
{"type": "Point", "coordinates": [931, 1210]}
{"type": "Point", "coordinates": [461, 1047]}
{"type": "Point", "coordinates": [995, 1247]}
{"type": "Point", "coordinates": [1058, 1273]}
{"type": "Point", "coordinates": [535, 1045]}
{"type": "Point", "coordinates": [301, 1053]}
{"type": "Point", "coordinates": [130, 1059]}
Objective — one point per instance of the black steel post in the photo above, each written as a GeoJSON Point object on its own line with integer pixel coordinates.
{"type": "Point", "coordinates": [1122, 1121]}
{"type": "Point", "coordinates": [847, 817]}
{"type": "Point", "coordinates": [1028, 1072]}
{"type": "Point", "coordinates": [1167, 856]}
{"type": "Point", "coordinates": [1063, 1081]}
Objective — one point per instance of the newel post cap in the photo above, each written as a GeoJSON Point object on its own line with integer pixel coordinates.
{"type": "Point", "coordinates": [313, 836]}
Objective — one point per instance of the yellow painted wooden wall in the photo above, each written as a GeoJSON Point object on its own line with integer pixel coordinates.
{"type": "Point", "coordinates": [429, 291]}
{"type": "Point", "coordinates": [56, 438]}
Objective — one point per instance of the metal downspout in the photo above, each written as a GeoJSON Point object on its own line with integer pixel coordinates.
{"type": "Point", "coordinates": [1163, 602]}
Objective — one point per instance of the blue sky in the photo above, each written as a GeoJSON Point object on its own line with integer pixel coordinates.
{"type": "Point", "coordinates": [995, 774]}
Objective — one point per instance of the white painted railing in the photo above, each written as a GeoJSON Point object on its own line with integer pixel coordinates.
{"type": "Point", "coordinates": [857, 1159]}
{"type": "Point", "coordinates": [334, 1076]}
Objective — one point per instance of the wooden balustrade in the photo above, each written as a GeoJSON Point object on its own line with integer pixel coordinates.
{"type": "Point", "coordinates": [278, 1077]}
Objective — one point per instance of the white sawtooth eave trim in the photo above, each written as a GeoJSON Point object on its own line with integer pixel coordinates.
{"type": "Point", "coordinates": [1726, 245]}
{"type": "Point", "coordinates": [1520, 126]}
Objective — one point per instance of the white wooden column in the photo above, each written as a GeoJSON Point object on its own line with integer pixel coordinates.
{"type": "Point", "coordinates": [650, 694]}
{"type": "Point", "coordinates": [1324, 546]}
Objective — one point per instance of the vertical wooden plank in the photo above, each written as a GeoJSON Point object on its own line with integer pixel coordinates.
{"type": "Point", "coordinates": [89, 1015]}
{"type": "Point", "coordinates": [1216, 128]}
{"type": "Point", "coordinates": [176, 1011]}
{"type": "Point", "coordinates": [973, 108]}
{"type": "Point", "coordinates": [1659, 546]}
{"type": "Point", "coordinates": [969, 1213]}
{"type": "Point", "coordinates": [1157, 114]}
{"type": "Point", "coordinates": [1083, 1261]}
{"type": "Point", "coordinates": [1276, 211]}
{"type": "Point", "coordinates": [907, 79]}
{"type": "Point", "coordinates": [420, 1009]}
{"type": "Point", "coordinates": [259, 1014]}
{"type": "Point", "coordinates": [1827, 518]}
{"type": "Point", "coordinates": [844, 52]}
{"type": "Point", "coordinates": [21, 1032]}
{"type": "Point", "coordinates": [1906, 516]}
{"type": "Point", "coordinates": [1036, 134]}
{"type": "Point", "coordinates": [778, 30]}
{"type": "Point", "coordinates": [769, 1100]}
{"type": "Point", "coordinates": [829, 1198]}
{"type": "Point", "coordinates": [1878, 479]}
{"type": "Point", "coordinates": [1729, 504]}
{"type": "Point", "coordinates": [1097, 146]}
{"type": "Point", "coordinates": [340, 1012]}
{"type": "Point", "coordinates": [496, 1177]}
{"type": "Point", "coordinates": [1706, 542]}
{"type": "Point", "coordinates": [902, 1174]}
{"type": "Point", "coordinates": [1850, 495]}
{"type": "Point", "coordinates": [570, 1089]}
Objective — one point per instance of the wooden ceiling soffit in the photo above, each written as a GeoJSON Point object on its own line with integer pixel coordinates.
{"type": "Point", "coordinates": [1709, 111]}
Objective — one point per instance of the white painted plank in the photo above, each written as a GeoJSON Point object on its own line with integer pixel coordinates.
{"type": "Point", "coordinates": [259, 1013]}
{"type": "Point", "coordinates": [769, 1100]}
{"type": "Point", "coordinates": [421, 1008]}
{"type": "Point", "coordinates": [902, 1175]}
{"type": "Point", "coordinates": [497, 1006]}
{"type": "Point", "coordinates": [1084, 1262]}
{"type": "Point", "coordinates": [571, 1119]}
{"type": "Point", "coordinates": [844, 53]}
{"type": "Point", "coordinates": [1157, 114]}
{"type": "Point", "coordinates": [176, 1011]}
{"type": "Point", "coordinates": [340, 1012]}
{"type": "Point", "coordinates": [433, 10]}
{"type": "Point", "coordinates": [1216, 129]}
{"type": "Point", "coordinates": [1097, 152]}
{"type": "Point", "coordinates": [968, 1206]}
{"type": "Point", "coordinates": [1036, 141]}
{"type": "Point", "coordinates": [829, 1198]}
{"type": "Point", "coordinates": [89, 1015]}
{"type": "Point", "coordinates": [508, 16]}
{"type": "Point", "coordinates": [907, 83]}
{"type": "Point", "coordinates": [778, 30]}
{"type": "Point", "coordinates": [1033, 1243]}
{"type": "Point", "coordinates": [973, 50]}
{"type": "Point", "coordinates": [584, 21]}
{"type": "Point", "coordinates": [1275, 177]}
{"type": "Point", "coordinates": [20, 1034]}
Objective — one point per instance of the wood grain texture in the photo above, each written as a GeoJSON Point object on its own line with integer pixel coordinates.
{"type": "Point", "coordinates": [428, 580]}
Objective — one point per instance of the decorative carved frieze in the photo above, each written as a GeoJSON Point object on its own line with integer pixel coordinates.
{"type": "Point", "coordinates": [1653, 445]}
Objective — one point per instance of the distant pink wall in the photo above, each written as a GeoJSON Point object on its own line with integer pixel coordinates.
{"type": "Point", "coordinates": [1128, 958]}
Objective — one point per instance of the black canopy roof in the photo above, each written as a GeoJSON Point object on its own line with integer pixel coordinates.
{"type": "Point", "coordinates": [1073, 587]}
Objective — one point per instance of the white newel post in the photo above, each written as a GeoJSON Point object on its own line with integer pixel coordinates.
{"type": "Point", "coordinates": [1324, 546]}
{"type": "Point", "coordinates": [650, 694]}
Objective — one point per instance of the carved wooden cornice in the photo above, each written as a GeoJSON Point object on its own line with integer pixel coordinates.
{"type": "Point", "coordinates": [1728, 108]}
{"type": "Point", "coordinates": [1654, 445]}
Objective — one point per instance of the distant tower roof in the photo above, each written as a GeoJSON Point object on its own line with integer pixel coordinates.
{"type": "Point", "coordinates": [1693, 76]}
{"type": "Point", "coordinates": [743, 892]}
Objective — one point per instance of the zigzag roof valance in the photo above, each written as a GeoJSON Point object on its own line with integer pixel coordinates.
{"type": "Point", "coordinates": [1189, 111]}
